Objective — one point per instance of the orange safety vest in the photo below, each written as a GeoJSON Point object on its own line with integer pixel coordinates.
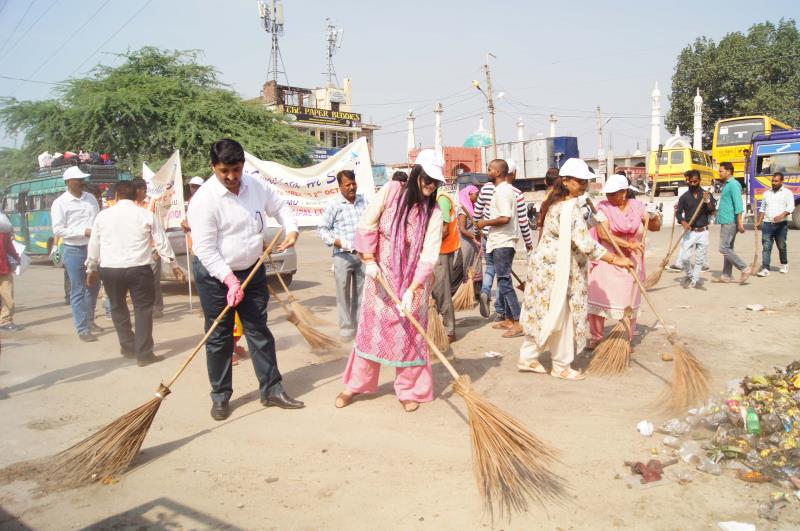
{"type": "Point", "coordinates": [451, 241]}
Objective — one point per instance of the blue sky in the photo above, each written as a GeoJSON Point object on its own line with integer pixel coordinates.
{"type": "Point", "coordinates": [561, 57]}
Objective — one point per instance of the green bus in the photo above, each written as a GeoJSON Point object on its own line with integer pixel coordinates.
{"type": "Point", "coordinates": [27, 203]}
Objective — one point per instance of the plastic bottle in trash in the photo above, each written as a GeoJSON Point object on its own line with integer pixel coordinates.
{"type": "Point", "coordinates": [753, 426]}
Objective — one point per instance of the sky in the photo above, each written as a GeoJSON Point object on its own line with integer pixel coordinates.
{"type": "Point", "coordinates": [562, 57]}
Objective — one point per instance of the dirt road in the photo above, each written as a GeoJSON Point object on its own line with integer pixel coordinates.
{"type": "Point", "coordinates": [371, 465]}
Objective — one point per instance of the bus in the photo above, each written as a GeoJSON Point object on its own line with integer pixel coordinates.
{"type": "Point", "coordinates": [779, 151]}
{"type": "Point", "coordinates": [674, 162]}
{"type": "Point", "coordinates": [27, 203]}
{"type": "Point", "coordinates": [733, 135]}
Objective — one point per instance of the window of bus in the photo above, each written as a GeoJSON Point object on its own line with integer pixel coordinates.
{"type": "Point", "coordinates": [698, 158]}
{"type": "Point", "coordinates": [786, 163]}
{"type": "Point", "coordinates": [676, 157]}
{"type": "Point", "coordinates": [737, 132]}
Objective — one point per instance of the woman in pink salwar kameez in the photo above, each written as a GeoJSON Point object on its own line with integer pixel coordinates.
{"type": "Point", "coordinates": [398, 236]}
{"type": "Point", "coordinates": [611, 288]}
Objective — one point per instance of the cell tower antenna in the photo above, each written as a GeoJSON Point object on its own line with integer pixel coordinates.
{"type": "Point", "coordinates": [271, 15]}
{"type": "Point", "coordinates": [333, 42]}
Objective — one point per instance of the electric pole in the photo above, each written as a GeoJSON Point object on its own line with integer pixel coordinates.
{"type": "Point", "coordinates": [490, 102]}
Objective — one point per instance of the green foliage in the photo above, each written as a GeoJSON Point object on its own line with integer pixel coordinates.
{"type": "Point", "coordinates": [757, 73]}
{"type": "Point", "coordinates": [141, 111]}
{"type": "Point", "coordinates": [15, 165]}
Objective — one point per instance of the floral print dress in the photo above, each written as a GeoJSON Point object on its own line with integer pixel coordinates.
{"type": "Point", "coordinates": [541, 274]}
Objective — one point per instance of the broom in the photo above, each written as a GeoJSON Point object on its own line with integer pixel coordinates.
{"type": "Point", "coordinates": [510, 463]}
{"type": "Point", "coordinates": [318, 341]}
{"type": "Point", "coordinates": [754, 266]}
{"type": "Point", "coordinates": [110, 451]}
{"type": "Point", "coordinates": [654, 277]}
{"type": "Point", "coordinates": [436, 327]}
{"type": "Point", "coordinates": [520, 282]}
{"type": "Point", "coordinates": [690, 380]}
{"type": "Point", "coordinates": [464, 298]}
{"type": "Point", "coordinates": [303, 314]}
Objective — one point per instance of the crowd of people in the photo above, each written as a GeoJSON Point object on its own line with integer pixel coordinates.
{"type": "Point", "coordinates": [414, 235]}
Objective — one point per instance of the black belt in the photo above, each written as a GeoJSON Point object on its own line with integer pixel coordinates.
{"type": "Point", "coordinates": [700, 229]}
{"type": "Point", "coordinates": [347, 252]}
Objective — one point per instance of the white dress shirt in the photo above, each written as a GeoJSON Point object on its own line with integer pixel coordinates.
{"type": "Point", "coordinates": [121, 237]}
{"type": "Point", "coordinates": [776, 203]}
{"type": "Point", "coordinates": [71, 216]}
{"type": "Point", "coordinates": [228, 230]}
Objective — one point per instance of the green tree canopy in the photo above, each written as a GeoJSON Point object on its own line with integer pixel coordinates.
{"type": "Point", "coordinates": [156, 101]}
{"type": "Point", "coordinates": [756, 73]}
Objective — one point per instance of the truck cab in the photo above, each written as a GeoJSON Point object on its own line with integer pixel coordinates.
{"type": "Point", "coordinates": [779, 151]}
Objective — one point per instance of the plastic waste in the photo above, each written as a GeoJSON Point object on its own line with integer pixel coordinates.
{"type": "Point", "coordinates": [690, 452]}
{"type": "Point", "coordinates": [672, 442]}
{"type": "Point", "coordinates": [674, 427]}
{"type": "Point", "coordinates": [753, 425]}
{"type": "Point", "coordinates": [645, 428]}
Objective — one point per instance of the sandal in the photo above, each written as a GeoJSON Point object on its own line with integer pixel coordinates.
{"type": "Point", "coordinates": [502, 326]}
{"type": "Point", "coordinates": [533, 366]}
{"type": "Point", "coordinates": [410, 405]}
{"type": "Point", "coordinates": [721, 280]}
{"type": "Point", "coordinates": [568, 374]}
{"type": "Point", "coordinates": [343, 399]}
{"type": "Point", "coordinates": [745, 275]}
{"type": "Point", "coordinates": [513, 333]}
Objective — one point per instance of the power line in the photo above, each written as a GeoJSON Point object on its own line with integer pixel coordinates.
{"type": "Point", "coordinates": [60, 47]}
{"type": "Point", "coordinates": [29, 28]}
{"type": "Point", "coordinates": [19, 23]}
{"type": "Point", "coordinates": [29, 80]}
{"type": "Point", "coordinates": [123, 26]}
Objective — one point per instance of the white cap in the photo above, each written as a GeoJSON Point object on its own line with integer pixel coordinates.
{"type": "Point", "coordinates": [576, 168]}
{"type": "Point", "coordinates": [512, 166]}
{"type": "Point", "coordinates": [196, 180]}
{"type": "Point", "coordinates": [615, 183]}
{"type": "Point", "coordinates": [74, 172]}
{"type": "Point", "coordinates": [432, 162]}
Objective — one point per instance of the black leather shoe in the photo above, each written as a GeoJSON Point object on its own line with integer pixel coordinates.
{"type": "Point", "coordinates": [282, 400]}
{"type": "Point", "coordinates": [220, 410]}
{"type": "Point", "coordinates": [88, 337]}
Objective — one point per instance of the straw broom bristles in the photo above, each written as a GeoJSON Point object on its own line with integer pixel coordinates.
{"type": "Point", "coordinates": [111, 450]}
{"type": "Point", "coordinates": [613, 354]}
{"type": "Point", "coordinates": [318, 341]}
{"type": "Point", "coordinates": [510, 463]}
{"type": "Point", "coordinates": [303, 314]}
{"type": "Point", "coordinates": [436, 327]}
{"type": "Point", "coordinates": [464, 299]}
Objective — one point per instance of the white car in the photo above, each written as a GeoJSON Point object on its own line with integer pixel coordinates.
{"type": "Point", "coordinates": [285, 262]}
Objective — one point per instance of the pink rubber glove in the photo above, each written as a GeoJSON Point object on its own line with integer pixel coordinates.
{"type": "Point", "coordinates": [235, 293]}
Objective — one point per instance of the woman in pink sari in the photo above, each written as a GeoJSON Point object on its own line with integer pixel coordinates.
{"type": "Point", "coordinates": [611, 288]}
{"type": "Point", "coordinates": [398, 236]}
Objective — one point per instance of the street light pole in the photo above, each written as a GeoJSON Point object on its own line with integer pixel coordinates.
{"type": "Point", "coordinates": [490, 102]}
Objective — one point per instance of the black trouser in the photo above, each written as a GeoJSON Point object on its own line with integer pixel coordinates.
{"type": "Point", "coordinates": [219, 348]}
{"type": "Point", "coordinates": [139, 281]}
{"type": "Point", "coordinates": [158, 304]}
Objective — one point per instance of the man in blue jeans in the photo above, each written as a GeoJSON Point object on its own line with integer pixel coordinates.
{"type": "Point", "coordinates": [729, 218]}
{"type": "Point", "coordinates": [501, 244]}
{"type": "Point", "coordinates": [776, 207]}
{"type": "Point", "coordinates": [72, 215]}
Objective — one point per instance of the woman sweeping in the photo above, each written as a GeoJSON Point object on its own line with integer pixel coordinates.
{"type": "Point", "coordinates": [398, 236]}
{"type": "Point", "coordinates": [554, 303]}
{"type": "Point", "coordinates": [470, 247]}
{"type": "Point", "coordinates": [611, 288]}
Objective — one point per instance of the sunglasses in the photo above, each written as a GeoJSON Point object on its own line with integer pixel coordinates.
{"type": "Point", "coordinates": [429, 181]}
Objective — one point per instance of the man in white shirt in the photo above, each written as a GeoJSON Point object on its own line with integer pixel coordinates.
{"type": "Point", "coordinates": [776, 206]}
{"type": "Point", "coordinates": [72, 215]}
{"type": "Point", "coordinates": [228, 216]}
{"type": "Point", "coordinates": [501, 244]}
{"type": "Point", "coordinates": [120, 254]}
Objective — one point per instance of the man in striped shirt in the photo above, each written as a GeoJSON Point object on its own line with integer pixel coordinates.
{"type": "Point", "coordinates": [496, 176]}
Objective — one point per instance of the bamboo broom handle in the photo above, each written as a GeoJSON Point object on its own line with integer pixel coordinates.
{"type": "Point", "coordinates": [633, 274]}
{"type": "Point", "coordinates": [419, 328]}
{"type": "Point", "coordinates": [225, 311]}
{"type": "Point", "coordinates": [685, 231]}
{"type": "Point", "coordinates": [280, 278]}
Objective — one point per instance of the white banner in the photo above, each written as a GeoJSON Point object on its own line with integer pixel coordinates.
{"type": "Point", "coordinates": [307, 190]}
{"type": "Point", "coordinates": [166, 193]}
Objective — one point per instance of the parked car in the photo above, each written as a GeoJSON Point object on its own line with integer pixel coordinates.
{"type": "Point", "coordinates": [285, 262]}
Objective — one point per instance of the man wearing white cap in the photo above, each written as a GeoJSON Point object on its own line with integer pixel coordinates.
{"type": "Point", "coordinates": [72, 215]}
{"type": "Point", "coordinates": [194, 185]}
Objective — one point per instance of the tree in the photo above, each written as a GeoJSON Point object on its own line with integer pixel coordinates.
{"type": "Point", "coordinates": [757, 73]}
{"type": "Point", "coordinates": [142, 110]}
